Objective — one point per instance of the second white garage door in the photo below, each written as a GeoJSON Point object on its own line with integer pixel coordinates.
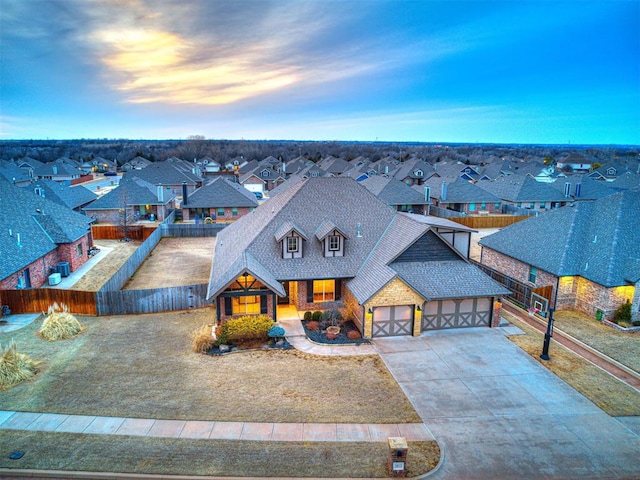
{"type": "Point", "coordinates": [391, 321]}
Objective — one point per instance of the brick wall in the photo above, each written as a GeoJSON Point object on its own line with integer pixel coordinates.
{"type": "Point", "coordinates": [40, 269]}
{"type": "Point", "coordinates": [302, 304]}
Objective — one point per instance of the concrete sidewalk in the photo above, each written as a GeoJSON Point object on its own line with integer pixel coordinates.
{"type": "Point", "coordinates": [198, 429]}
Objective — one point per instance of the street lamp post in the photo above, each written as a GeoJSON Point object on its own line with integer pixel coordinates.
{"type": "Point", "coordinates": [547, 337]}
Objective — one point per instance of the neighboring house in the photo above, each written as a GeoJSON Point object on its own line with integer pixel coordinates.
{"type": "Point", "coordinates": [209, 165]}
{"type": "Point", "coordinates": [463, 196]}
{"type": "Point", "coordinates": [325, 241]}
{"type": "Point", "coordinates": [523, 191]}
{"type": "Point", "coordinates": [137, 163]}
{"type": "Point", "coordinates": [37, 236]}
{"type": "Point", "coordinates": [74, 197]}
{"type": "Point", "coordinates": [587, 253]}
{"type": "Point", "coordinates": [132, 200]}
{"type": "Point", "coordinates": [334, 166]}
{"type": "Point", "coordinates": [414, 172]}
{"type": "Point", "coordinates": [574, 163]}
{"type": "Point", "coordinates": [220, 200]}
{"type": "Point", "coordinates": [261, 179]}
{"type": "Point", "coordinates": [172, 173]}
{"type": "Point", "coordinates": [58, 171]}
{"type": "Point", "coordinates": [98, 164]}
{"type": "Point", "coordinates": [582, 187]}
{"type": "Point", "coordinates": [626, 181]}
{"type": "Point", "coordinates": [11, 172]}
{"type": "Point", "coordinates": [396, 194]}
{"type": "Point", "coordinates": [608, 172]}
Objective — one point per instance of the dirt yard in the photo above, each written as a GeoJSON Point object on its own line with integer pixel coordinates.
{"type": "Point", "coordinates": [476, 250]}
{"type": "Point", "coordinates": [98, 275]}
{"type": "Point", "coordinates": [175, 262]}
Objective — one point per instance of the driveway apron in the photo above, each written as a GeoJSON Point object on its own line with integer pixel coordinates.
{"type": "Point", "coordinates": [498, 413]}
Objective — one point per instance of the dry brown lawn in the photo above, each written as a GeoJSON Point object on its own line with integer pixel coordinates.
{"type": "Point", "coordinates": [623, 347]}
{"type": "Point", "coordinates": [174, 262]}
{"type": "Point", "coordinates": [161, 456]}
{"type": "Point", "coordinates": [476, 250]}
{"type": "Point", "coordinates": [98, 275]}
{"type": "Point", "coordinates": [143, 366]}
{"type": "Point", "coordinates": [608, 393]}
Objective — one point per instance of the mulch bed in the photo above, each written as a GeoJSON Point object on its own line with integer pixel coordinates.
{"type": "Point", "coordinates": [320, 336]}
{"type": "Point", "coordinates": [281, 344]}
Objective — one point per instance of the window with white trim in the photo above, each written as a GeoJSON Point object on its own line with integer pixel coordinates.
{"type": "Point", "coordinates": [334, 243]}
{"type": "Point", "coordinates": [292, 244]}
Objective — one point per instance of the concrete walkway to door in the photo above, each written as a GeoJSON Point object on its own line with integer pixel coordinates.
{"type": "Point", "coordinates": [497, 413]}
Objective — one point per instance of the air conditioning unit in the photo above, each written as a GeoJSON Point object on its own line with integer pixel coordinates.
{"type": "Point", "coordinates": [55, 279]}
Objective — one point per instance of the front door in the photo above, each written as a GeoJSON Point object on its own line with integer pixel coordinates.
{"type": "Point", "coordinates": [284, 300]}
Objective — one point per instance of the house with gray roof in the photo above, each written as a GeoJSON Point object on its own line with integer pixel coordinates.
{"type": "Point", "coordinates": [220, 201]}
{"type": "Point", "coordinates": [131, 201]}
{"type": "Point", "coordinates": [11, 172]}
{"type": "Point", "coordinates": [35, 242]}
{"type": "Point", "coordinates": [328, 240]}
{"type": "Point", "coordinates": [414, 172]}
{"type": "Point", "coordinates": [398, 195]}
{"type": "Point", "coordinates": [523, 191]}
{"type": "Point", "coordinates": [462, 196]}
{"type": "Point", "coordinates": [59, 171]}
{"type": "Point", "coordinates": [582, 187]}
{"type": "Point", "coordinates": [74, 197]}
{"type": "Point", "coordinates": [587, 253]}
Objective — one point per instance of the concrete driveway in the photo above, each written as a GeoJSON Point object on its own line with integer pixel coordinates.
{"type": "Point", "coordinates": [498, 414]}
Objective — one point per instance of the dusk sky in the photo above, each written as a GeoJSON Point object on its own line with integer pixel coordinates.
{"type": "Point", "coordinates": [366, 70]}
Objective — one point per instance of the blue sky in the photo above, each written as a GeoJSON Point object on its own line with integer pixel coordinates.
{"type": "Point", "coordinates": [366, 70]}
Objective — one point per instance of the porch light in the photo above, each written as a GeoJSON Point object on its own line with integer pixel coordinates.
{"type": "Point", "coordinates": [419, 308]}
{"type": "Point", "coordinates": [370, 312]}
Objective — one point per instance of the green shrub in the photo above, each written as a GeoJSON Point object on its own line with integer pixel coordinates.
{"type": "Point", "coordinates": [317, 315]}
{"type": "Point", "coordinates": [276, 332]}
{"type": "Point", "coordinates": [623, 314]}
{"type": "Point", "coordinates": [308, 315]}
{"type": "Point", "coordinates": [248, 327]}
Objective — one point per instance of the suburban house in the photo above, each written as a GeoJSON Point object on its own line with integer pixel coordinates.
{"type": "Point", "coordinates": [582, 187]}
{"type": "Point", "coordinates": [396, 194]}
{"type": "Point", "coordinates": [137, 163]}
{"type": "Point", "coordinates": [587, 253]}
{"type": "Point", "coordinates": [13, 173]}
{"type": "Point", "coordinates": [523, 191]}
{"type": "Point", "coordinates": [98, 164]}
{"type": "Point", "coordinates": [38, 237]}
{"type": "Point", "coordinates": [414, 172]}
{"type": "Point", "coordinates": [261, 179]}
{"type": "Point", "coordinates": [462, 196]}
{"type": "Point", "coordinates": [574, 163]}
{"type": "Point", "coordinates": [325, 241]}
{"type": "Point", "coordinates": [132, 200]}
{"type": "Point", "coordinates": [59, 171]}
{"type": "Point", "coordinates": [74, 197]}
{"type": "Point", "coordinates": [220, 200]}
{"type": "Point", "coordinates": [172, 173]}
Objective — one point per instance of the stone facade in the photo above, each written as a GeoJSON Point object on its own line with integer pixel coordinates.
{"type": "Point", "coordinates": [570, 293]}
{"type": "Point", "coordinates": [396, 292]}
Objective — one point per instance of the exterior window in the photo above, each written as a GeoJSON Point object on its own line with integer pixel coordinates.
{"type": "Point", "coordinates": [543, 204]}
{"type": "Point", "coordinates": [472, 207]}
{"type": "Point", "coordinates": [532, 205]}
{"type": "Point", "coordinates": [519, 205]}
{"type": "Point", "coordinates": [533, 273]}
{"type": "Point", "coordinates": [292, 244]}
{"type": "Point", "coordinates": [324, 290]}
{"type": "Point", "coordinates": [234, 211]}
{"type": "Point", "coordinates": [334, 243]}
{"type": "Point", "coordinates": [483, 206]}
{"type": "Point", "coordinates": [221, 212]}
{"type": "Point", "coordinates": [244, 305]}
{"type": "Point", "coordinates": [79, 247]}
{"type": "Point", "coordinates": [496, 207]}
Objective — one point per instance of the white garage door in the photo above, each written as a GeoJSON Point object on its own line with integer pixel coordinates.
{"type": "Point", "coordinates": [468, 312]}
{"type": "Point", "coordinates": [391, 321]}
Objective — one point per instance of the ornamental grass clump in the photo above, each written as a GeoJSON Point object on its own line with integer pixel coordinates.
{"type": "Point", "coordinates": [15, 367]}
{"type": "Point", "coordinates": [59, 324]}
{"type": "Point", "coordinates": [202, 339]}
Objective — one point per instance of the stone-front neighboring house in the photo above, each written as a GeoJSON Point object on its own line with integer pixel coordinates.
{"type": "Point", "coordinates": [36, 235]}
{"type": "Point", "coordinates": [589, 253]}
{"type": "Point", "coordinates": [220, 200]}
{"type": "Point", "coordinates": [324, 241]}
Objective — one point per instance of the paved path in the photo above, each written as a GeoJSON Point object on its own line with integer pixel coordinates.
{"type": "Point", "coordinates": [497, 413]}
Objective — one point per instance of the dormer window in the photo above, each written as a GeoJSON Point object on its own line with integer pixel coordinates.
{"type": "Point", "coordinates": [293, 244]}
{"type": "Point", "coordinates": [332, 238]}
{"type": "Point", "coordinates": [419, 173]}
{"type": "Point", "coordinates": [290, 237]}
{"type": "Point", "coordinates": [334, 243]}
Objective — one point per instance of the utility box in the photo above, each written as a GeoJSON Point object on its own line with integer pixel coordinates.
{"type": "Point", "coordinates": [54, 279]}
{"type": "Point", "coordinates": [397, 461]}
{"type": "Point", "coordinates": [63, 269]}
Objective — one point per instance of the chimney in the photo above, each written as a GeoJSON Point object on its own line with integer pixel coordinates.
{"type": "Point", "coordinates": [54, 169]}
{"type": "Point", "coordinates": [160, 191]}
{"type": "Point", "coordinates": [443, 192]}
{"type": "Point", "coordinates": [18, 239]}
{"type": "Point", "coordinates": [185, 194]}
{"type": "Point", "coordinates": [358, 231]}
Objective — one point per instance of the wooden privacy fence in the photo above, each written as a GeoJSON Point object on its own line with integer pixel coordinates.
{"type": "Point", "coordinates": [126, 302]}
{"type": "Point", "coordinates": [115, 232]}
{"type": "Point", "coordinates": [39, 299]}
{"type": "Point", "coordinates": [489, 221]}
